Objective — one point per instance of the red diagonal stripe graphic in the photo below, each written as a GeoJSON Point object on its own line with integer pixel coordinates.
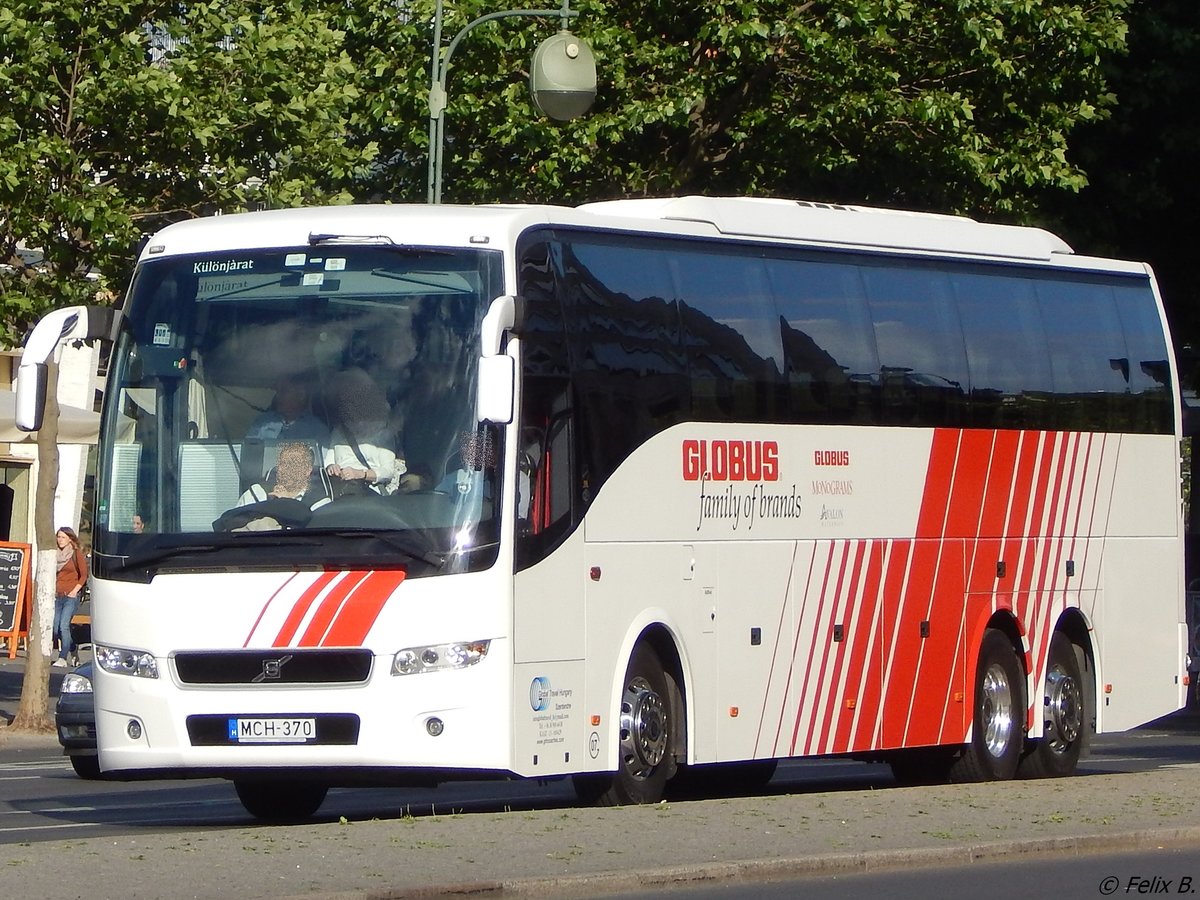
{"type": "Point", "coordinates": [839, 649]}
{"type": "Point", "coordinates": [329, 607]}
{"type": "Point", "coordinates": [361, 609]}
{"type": "Point", "coordinates": [803, 700]}
{"type": "Point", "coordinates": [262, 612]}
{"type": "Point", "coordinates": [300, 609]}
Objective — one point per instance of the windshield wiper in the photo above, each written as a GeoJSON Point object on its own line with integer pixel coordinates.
{"type": "Point", "coordinates": [321, 237]}
{"type": "Point", "coordinates": [158, 554]}
{"type": "Point", "coordinates": [395, 540]}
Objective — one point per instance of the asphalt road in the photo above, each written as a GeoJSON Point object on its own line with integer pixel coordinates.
{"type": "Point", "coordinates": [818, 819]}
{"type": "Point", "coordinates": [191, 839]}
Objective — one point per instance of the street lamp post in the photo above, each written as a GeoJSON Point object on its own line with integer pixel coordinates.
{"type": "Point", "coordinates": [563, 78]}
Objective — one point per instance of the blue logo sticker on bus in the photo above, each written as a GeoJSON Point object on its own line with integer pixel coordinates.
{"type": "Point", "coordinates": [539, 693]}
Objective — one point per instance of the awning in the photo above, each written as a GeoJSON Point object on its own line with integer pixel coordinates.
{"type": "Point", "coordinates": [75, 425]}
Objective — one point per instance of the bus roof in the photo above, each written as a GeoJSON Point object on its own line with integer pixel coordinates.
{"type": "Point", "coordinates": [791, 221]}
{"type": "Point", "coordinates": [859, 226]}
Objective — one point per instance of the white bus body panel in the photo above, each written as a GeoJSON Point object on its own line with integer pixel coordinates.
{"type": "Point", "coordinates": [225, 611]}
{"type": "Point", "coordinates": [753, 594]}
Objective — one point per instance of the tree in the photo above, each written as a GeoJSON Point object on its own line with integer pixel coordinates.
{"type": "Point", "coordinates": [954, 105]}
{"type": "Point", "coordinates": [1143, 199]}
{"type": "Point", "coordinates": [116, 115]}
{"type": "Point", "coordinates": [119, 114]}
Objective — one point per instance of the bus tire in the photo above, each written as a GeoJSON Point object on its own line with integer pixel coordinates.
{"type": "Point", "coordinates": [87, 767]}
{"type": "Point", "coordinates": [645, 735]}
{"type": "Point", "coordinates": [997, 733]}
{"type": "Point", "coordinates": [1057, 751]}
{"type": "Point", "coordinates": [280, 801]}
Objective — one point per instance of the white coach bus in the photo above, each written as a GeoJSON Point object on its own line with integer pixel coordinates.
{"type": "Point", "coordinates": [628, 491]}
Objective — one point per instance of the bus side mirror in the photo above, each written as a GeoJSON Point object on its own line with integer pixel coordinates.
{"type": "Point", "coordinates": [31, 396]}
{"type": "Point", "coordinates": [497, 384]}
{"type": "Point", "coordinates": [495, 389]}
{"type": "Point", "coordinates": [504, 314]}
{"type": "Point", "coordinates": [73, 323]}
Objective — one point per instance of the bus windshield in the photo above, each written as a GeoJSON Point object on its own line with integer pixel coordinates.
{"type": "Point", "coordinates": [311, 406]}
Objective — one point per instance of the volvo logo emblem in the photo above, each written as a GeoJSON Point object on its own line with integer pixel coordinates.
{"type": "Point", "coordinates": [272, 669]}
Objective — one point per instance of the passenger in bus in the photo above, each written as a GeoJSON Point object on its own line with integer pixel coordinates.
{"type": "Point", "coordinates": [359, 454]}
{"type": "Point", "coordinates": [290, 416]}
{"type": "Point", "coordinates": [469, 482]}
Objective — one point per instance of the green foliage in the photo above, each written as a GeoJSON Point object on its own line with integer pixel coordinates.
{"type": "Point", "coordinates": [109, 128]}
{"type": "Point", "coordinates": [936, 104]}
{"type": "Point", "coordinates": [942, 104]}
{"type": "Point", "coordinates": [1143, 198]}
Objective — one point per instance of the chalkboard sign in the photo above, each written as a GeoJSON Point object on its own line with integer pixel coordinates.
{"type": "Point", "coordinates": [14, 587]}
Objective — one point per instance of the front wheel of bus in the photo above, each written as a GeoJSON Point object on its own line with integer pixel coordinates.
{"type": "Point", "coordinates": [646, 737]}
{"type": "Point", "coordinates": [280, 801]}
{"type": "Point", "coordinates": [997, 733]}
{"type": "Point", "coordinates": [1057, 751]}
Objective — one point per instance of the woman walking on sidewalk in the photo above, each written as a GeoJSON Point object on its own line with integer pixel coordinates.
{"type": "Point", "coordinates": [72, 576]}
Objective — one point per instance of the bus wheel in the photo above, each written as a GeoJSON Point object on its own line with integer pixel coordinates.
{"type": "Point", "coordinates": [644, 762]}
{"type": "Point", "coordinates": [280, 801]}
{"type": "Point", "coordinates": [997, 734]}
{"type": "Point", "coordinates": [87, 767]}
{"type": "Point", "coordinates": [1057, 751]}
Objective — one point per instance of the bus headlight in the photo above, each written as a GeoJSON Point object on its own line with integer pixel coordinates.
{"type": "Point", "coordinates": [138, 663]}
{"type": "Point", "coordinates": [438, 657]}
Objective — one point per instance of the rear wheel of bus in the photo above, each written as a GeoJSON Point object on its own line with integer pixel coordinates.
{"type": "Point", "coordinates": [280, 801]}
{"type": "Point", "coordinates": [997, 733]}
{"type": "Point", "coordinates": [1064, 711]}
{"type": "Point", "coordinates": [646, 735]}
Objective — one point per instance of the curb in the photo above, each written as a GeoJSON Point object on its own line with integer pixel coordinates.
{"type": "Point", "coordinates": [713, 874]}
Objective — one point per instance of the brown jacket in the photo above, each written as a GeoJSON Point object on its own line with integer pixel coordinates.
{"type": "Point", "coordinates": [73, 574]}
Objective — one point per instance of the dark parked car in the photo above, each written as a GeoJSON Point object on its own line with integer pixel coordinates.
{"type": "Point", "coordinates": [75, 718]}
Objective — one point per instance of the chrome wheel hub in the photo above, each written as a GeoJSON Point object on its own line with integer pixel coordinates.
{"type": "Point", "coordinates": [1064, 709]}
{"type": "Point", "coordinates": [997, 703]}
{"type": "Point", "coordinates": [643, 728]}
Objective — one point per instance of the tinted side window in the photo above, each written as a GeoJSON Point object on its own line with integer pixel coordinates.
{"type": "Point", "coordinates": [624, 342]}
{"type": "Point", "coordinates": [733, 346]}
{"type": "Point", "coordinates": [1151, 397]}
{"type": "Point", "coordinates": [1009, 362]}
{"type": "Point", "coordinates": [1088, 357]}
{"type": "Point", "coordinates": [923, 367]}
{"type": "Point", "coordinates": [549, 485]}
{"type": "Point", "coordinates": [831, 368]}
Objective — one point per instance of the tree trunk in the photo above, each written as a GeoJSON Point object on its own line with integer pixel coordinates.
{"type": "Point", "coordinates": [33, 713]}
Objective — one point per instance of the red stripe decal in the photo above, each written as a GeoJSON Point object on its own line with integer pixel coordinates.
{"type": "Point", "coordinates": [841, 615]}
{"type": "Point", "coordinates": [288, 630]}
{"type": "Point", "coordinates": [262, 612]}
{"type": "Point", "coordinates": [867, 717]}
{"type": "Point", "coordinates": [361, 610]}
{"type": "Point", "coordinates": [783, 611]}
{"type": "Point", "coordinates": [319, 623]}
{"type": "Point", "coordinates": [791, 663]}
{"type": "Point", "coordinates": [803, 701]}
